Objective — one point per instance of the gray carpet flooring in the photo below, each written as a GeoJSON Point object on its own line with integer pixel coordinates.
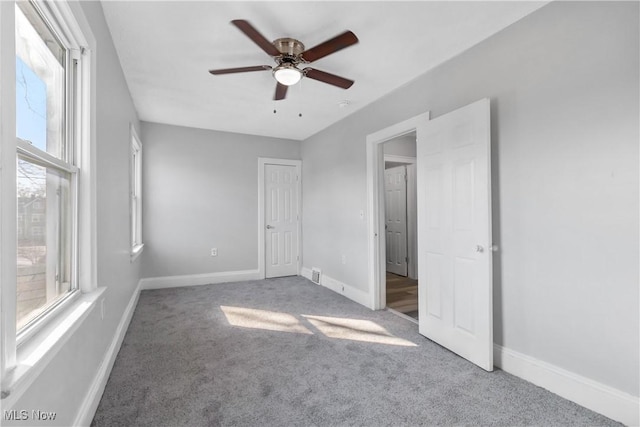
{"type": "Point", "coordinates": [287, 352]}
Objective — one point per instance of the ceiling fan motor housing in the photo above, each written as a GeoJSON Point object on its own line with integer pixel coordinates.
{"type": "Point", "coordinates": [288, 46]}
{"type": "Point", "coordinates": [287, 72]}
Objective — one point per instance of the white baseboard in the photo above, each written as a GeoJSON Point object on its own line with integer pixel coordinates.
{"type": "Point", "coordinates": [305, 272]}
{"type": "Point", "coordinates": [92, 399]}
{"type": "Point", "coordinates": [354, 294]}
{"type": "Point", "coordinates": [199, 279]}
{"type": "Point", "coordinates": [606, 400]}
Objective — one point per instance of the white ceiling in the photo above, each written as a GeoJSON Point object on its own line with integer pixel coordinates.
{"type": "Point", "coordinates": [166, 49]}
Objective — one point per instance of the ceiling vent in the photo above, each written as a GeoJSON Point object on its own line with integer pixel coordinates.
{"type": "Point", "coordinates": [315, 275]}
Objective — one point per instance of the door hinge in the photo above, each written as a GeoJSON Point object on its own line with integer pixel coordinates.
{"type": "Point", "coordinates": [406, 259]}
{"type": "Point", "coordinates": [405, 178]}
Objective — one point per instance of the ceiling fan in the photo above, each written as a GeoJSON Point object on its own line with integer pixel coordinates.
{"type": "Point", "coordinates": [288, 53]}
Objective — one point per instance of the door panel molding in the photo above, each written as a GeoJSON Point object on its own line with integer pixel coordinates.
{"type": "Point", "coordinates": [262, 162]}
{"type": "Point", "coordinates": [454, 182]}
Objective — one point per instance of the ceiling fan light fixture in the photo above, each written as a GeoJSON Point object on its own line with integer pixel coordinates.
{"type": "Point", "coordinates": [287, 74]}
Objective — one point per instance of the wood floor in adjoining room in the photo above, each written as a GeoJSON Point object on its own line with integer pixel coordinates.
{"type": "Point", "coordinates": [402, 294]}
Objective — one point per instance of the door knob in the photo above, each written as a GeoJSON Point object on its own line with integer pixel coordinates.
{"type": "Point", "coordinates": [269, 227]}
{"type": "Point", "coordinates": [479, 248]}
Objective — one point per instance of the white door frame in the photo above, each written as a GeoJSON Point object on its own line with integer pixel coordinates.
{"type": "Point", "coordinates": [399, 159]}
{"type": "Point", "coordinates": [375, 205]}
{"type": "Point", "coordinates": [262, 161]}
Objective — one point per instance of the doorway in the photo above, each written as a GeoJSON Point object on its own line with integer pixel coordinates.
{"type": "Point", "coordinates": [375, 202]}
{"type": "Point", "coordinates": [400, 201]}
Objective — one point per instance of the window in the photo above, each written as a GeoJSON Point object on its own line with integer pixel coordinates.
{"type": "Point", "coordinates": [46, 172]}
{"type": "Point", "coordinates": [136, 194]}
{"type": "Point", "coordinates": [47, 183]}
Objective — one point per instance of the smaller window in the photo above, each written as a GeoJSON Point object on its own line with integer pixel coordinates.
{"type": "Point", "coordinates": [136, 194]}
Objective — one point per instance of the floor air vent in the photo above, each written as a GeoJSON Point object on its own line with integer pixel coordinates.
{"type": "Point", "coordinates": [315, 275]}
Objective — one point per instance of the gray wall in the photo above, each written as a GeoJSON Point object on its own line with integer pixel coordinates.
{"type": "Point", "coordinates": [564, 88]}
{"type": "Point", "coordinates": [66, 380]}
{"type": "Point", "coordinates": [201, 191]}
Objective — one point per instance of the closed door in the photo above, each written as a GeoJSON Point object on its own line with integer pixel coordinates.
{"type": "Point", "coordinates": [395, 195]}
{"type": "Point", "coordinates": [281, 220]}
{"type": "Point", "coordinates": [454, 233]}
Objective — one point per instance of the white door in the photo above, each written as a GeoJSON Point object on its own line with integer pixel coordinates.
{"type": "Point", "coordinates": [281, 218]}
{"type": "Point", "coordinates": [454, 233]}
{"type": "Point", "coordinates": [395, 196]}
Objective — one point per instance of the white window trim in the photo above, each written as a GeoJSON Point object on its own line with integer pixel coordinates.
{"type": "Point", "coordinates": [135, 180]}
{"type": "Point", "coordinates": [21, 361]}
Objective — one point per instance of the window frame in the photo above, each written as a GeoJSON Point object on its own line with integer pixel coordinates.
{"type": "Point", "coordinates": [135, 194]}
{"type": "Point", "coordinates": [65, 163]}
{"type": "Point", "coordinates": [22, 358]}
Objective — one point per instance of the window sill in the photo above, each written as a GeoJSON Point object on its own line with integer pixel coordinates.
{"type": "Point", "coordinates": [136, 251]}
{"type": "Point", "coordinates": [37, 352]}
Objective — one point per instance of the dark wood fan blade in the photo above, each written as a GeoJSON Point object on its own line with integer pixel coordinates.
{"type": "Point", "coordinates": [240, 70]}
{"type": "Point", "coordinates": [337, 43]}
{"type": "Point", "coordinates": [281, 92]}
{"type": "Point", "coordinates": [331, 79]}
{"type": "Point", "coordinates": [257, 38]}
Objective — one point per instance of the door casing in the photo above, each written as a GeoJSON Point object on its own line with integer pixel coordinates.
{"type": "Point", "coordinates": [375, 204]}
{"type": "Point", "coordinates": [262, 161]}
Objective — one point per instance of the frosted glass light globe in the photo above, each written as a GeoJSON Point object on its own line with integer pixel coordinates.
{"type": "Point", "coordinates": [287, 75]}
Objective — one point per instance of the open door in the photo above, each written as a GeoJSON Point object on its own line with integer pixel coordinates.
{"type": "Point", "coordinates": [454, 232]}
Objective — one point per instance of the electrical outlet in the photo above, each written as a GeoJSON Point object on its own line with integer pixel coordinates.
{"type": "Point", "coordinates": [344, 259]}
{"type": "Point", "coordinates": [214, 251]}
{"type": "Point", "coordinates": [361, 214]}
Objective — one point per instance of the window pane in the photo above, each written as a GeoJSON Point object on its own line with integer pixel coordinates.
{"type": "Point", "coordinates": [40, 83]}
{"type": "Point", "coordinates": [44, 238]}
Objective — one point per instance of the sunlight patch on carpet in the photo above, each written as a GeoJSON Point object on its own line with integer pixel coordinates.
{"type": "Point", "coordinates": [263, 319]}
{"type": "Point", "coordinates": [356, 330]}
